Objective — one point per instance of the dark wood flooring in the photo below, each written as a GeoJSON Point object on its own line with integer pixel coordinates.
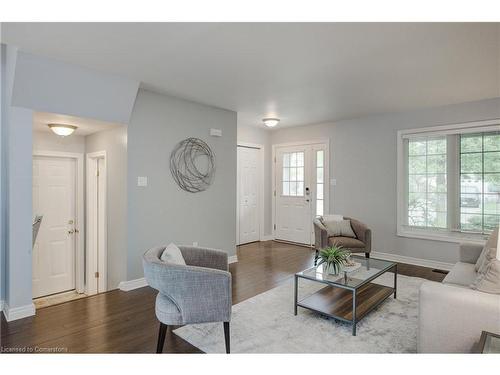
{"type": "Point", "coordinates": [125, 322]}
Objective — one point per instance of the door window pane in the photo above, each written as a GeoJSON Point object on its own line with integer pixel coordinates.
{"type": "Point", "coordinates": [320, 169]}
{"type": "Point", "coordinates": [319, 207]}
{"type": "Point", "coordinates": [319, 191]}
{"type": "Point", "coordinates": [293, 174]}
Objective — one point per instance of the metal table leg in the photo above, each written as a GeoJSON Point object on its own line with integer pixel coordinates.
{"type": "Point", "coordinates": [395, 279]}
{"type": "Point", "coordinates": [295, 295]}
{"type": "Point", "coordinates": [354, 312]}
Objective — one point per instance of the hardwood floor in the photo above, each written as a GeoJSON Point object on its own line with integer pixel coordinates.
{"type": "Point", "coordinates": [125, 322]}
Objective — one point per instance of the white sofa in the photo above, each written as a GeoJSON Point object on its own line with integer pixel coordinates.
{"type": "Point", "coordinates": [451, 314]}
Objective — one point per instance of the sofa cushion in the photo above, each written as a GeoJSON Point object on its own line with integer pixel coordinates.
{"type": "Point", "coordinates": [461, 274]}
{"type": "Point", "coordinates": [347, 242]}
{"type": "Point", "coordinates": [491, 243]}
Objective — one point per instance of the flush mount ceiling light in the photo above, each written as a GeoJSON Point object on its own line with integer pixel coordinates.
{"type": "Point", "coordinates": [271, 122]}
{"type": "Point", "coordinates": [62, 130]}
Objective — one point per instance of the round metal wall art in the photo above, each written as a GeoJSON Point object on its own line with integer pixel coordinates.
{"type": "Point", "coordinates": [185, 161]}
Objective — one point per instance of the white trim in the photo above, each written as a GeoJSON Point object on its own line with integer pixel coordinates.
{"type": "Point", "coordinates": [129, 285]}
{"type": "Point", "coordinates": [15, 313]}
{"type": "Point", "coordinates": [96, 261]}
{"type": "Point", "coordinates": [268, 237]}
{"type": "Point", "coordinates": [458, 128]}
{"type": "Point", "coordinates": [442, 236]}
{"type": "Point", "coordinates": [232, 259]}
{"type": "Point", "coordinates": [414, 261]}
{"type": "Point", "coordinates": [1, 304]}
{"type": "Point", "coordinates": [80, 222]}
{"type": "Point", "coordinates": [262, 153]}
{"type": "Point", "coordinates": [325, 142]}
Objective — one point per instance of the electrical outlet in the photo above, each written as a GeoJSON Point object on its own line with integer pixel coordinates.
{"type": "Point", "coordinates": [142, 181]}
{"type": "Point", "coordinates": [195, 244]}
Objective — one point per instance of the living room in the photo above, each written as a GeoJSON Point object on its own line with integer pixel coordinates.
{"type": "Point", "coordinates": [346, 201]}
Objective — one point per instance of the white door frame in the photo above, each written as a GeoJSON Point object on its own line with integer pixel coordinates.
{"type": "Point", "coordinates": [96, 260]}
{"type": "Point", "coordinates": [80, 222]}
{"type": "Point", "coordinates": [261, 149]}
{"type": "Point", "coordinates": [326, 192]}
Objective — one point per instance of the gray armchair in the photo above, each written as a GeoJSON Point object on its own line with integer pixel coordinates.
{"type": "Point", "coordinates": [361, 244]}
{"type": "Point", "coordinates": [199, 292]}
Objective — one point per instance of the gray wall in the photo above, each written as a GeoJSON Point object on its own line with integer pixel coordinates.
{"type": "Point", "coordinates": [16, 174]}
{"type": "Point", "coordinates": [47, 85]}
{"type": "Point", "coordinates": [162, 212]}
{"type": "Point", "coordinates": [3, 121]}
{"type": "Point", "coordinates": [114, 142]}
{"type": "Point", "coordinates": [253, 134]}
{"type": "Point", "coordinates": [45, 141]}
{"type": "Point", "coordinates": [363, 160]}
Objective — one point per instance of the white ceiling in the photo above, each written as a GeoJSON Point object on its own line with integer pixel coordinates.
{"type": "Point", "coordinates": [85, 126]}
{"type": "Point", "coordinates": [301, 72]}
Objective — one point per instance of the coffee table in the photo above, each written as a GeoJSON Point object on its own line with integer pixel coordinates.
{"type": "Point", "coordinates": [351, 294]}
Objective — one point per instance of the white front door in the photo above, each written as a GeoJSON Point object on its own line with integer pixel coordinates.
{"type": "Point", "coordinates": [248, 194]}
{"type": "Point", "coordinates": [54, 197]}
{"type": "Point", "coordinates": [300, 175]}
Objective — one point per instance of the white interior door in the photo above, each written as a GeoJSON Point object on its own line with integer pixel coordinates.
{"type": "Point", "coordinates": [301, 191]}
{"type": "Point", "coordinates": [248, 194]}
{"type": "Point", "coordinates": [54, 197]}
{"type": "Point", "coordinates": [293, 194]}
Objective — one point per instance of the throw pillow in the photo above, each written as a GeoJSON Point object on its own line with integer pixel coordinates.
{"type": "Point", "coordinates": [489, 281]}
{"type": "Point", "coordinates": [342, 228]}
{"type": "Point", "coordinates": [489, 255]}
{"type": "Point", "coordinates": [491, 243]}
{"type": "Point", "coordinates": [332, 217]}
{"type": "Point", "coordinates": [172, 254]}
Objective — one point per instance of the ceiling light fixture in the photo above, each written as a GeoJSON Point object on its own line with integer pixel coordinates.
{"type": "Point", "coordinates": [62, 130]}
{"type": "Point", "coordinates": [271, 122]}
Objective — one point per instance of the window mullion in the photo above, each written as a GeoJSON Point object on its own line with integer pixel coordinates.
{"type": "Point", "coordinates": [453, 182]}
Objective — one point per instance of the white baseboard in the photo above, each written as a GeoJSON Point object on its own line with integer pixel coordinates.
{"type": "Point", "coordinates": [410, 260]}
{"type": "Point", "coordinates": [267, 238]}
{"type": "Point", "coordinates": [15, 313]}
{"type": "Point", "coordinates": [232, 259]}
{"type": "Point", "coordinates": [129, 285]}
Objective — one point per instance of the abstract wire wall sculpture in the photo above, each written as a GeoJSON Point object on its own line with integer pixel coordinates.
{"type": "Point", "coordinates": [192, 164]}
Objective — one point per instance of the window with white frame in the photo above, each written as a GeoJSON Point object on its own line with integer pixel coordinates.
{"type": "Point", "coordinates": [450, 180]}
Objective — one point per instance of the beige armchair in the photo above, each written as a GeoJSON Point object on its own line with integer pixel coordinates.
{"type": "Point", "coordinates": [361, 244]}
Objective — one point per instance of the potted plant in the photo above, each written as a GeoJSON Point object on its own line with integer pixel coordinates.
{"type": "Point", "coordinates": [334, 257]}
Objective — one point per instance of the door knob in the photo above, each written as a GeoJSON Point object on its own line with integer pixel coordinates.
{"type": "Point", "coordinates": [71, 231]}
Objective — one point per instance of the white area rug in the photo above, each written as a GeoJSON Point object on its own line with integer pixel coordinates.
{"type": "Point", "coordinates": [266, 324]}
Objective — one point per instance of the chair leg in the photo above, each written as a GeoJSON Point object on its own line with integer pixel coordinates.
{"type": "Point", "coordinates": [161, 338]}
{"type": "Point", "coordinates": [226, 337]}
{"type": "Point", "coordinates": [367, 255]}
{"type": "Point", "coordinates": [316, 256]}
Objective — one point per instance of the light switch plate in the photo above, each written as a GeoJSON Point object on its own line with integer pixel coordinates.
{"type": "Point", "coordinates": [142, 181]}
{"type": "Point", "coordinates": [333, 182]}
